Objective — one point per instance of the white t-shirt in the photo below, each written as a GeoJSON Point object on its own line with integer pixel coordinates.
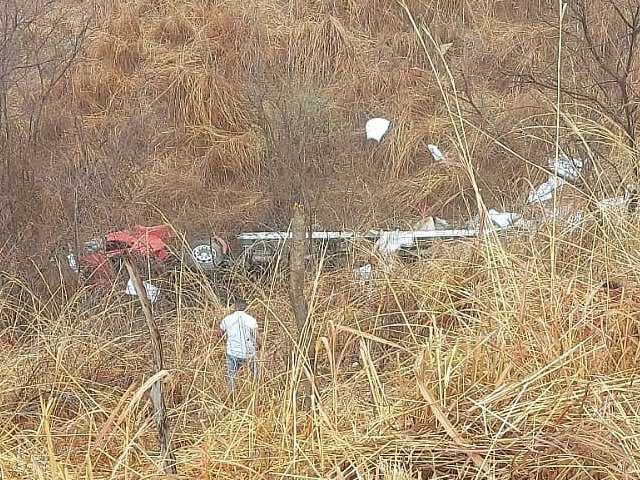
{"type": "Point", "coordinates": [240, 328]}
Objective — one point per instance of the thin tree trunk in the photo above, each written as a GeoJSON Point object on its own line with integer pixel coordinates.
{"type": "Point", "coordinates": [297, 256]}
{"type": "Point", "coordinates": [157, 393]}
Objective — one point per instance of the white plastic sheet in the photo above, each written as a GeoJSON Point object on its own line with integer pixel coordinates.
{"type": "Point", "coordinates": [435, 152]}
{"type": "Point", "coordinates": [545, 191]}
{"type": "Point", "coordinates": [566, 168]}
{"type": "Point", "coordinates": [73, 262]}
{"type": "Point", "coordinates": [563, 169]}
{"type": "Point", "coordinates": [153, 292]}
{"type": "Point", "coordinates": [504, 219]}
{"type": "Point", "coordinates": [376, 128]}
{"type": "Point", "coordinates": [363, 273]}
{"type": "Point", "coordinates": [392, 241]}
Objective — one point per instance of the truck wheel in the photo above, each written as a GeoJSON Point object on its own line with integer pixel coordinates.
{"type": "Point", "coordinates": [205, 254]}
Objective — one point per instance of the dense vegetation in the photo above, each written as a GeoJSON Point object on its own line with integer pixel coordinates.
{"type": "Point", "coordinates": [490, 358]}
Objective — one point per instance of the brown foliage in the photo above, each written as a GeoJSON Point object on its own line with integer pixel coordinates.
{"type": "Point", "coordinates": [203, 98]}
{"type": "Point", "coordinates": [94, 89]}
{"type": "Point", "coordinates": [270, 100]}
{"type": "Point", "coordinates": [174, 29]}
{"type": "Point", "coordinates": [120, 55]}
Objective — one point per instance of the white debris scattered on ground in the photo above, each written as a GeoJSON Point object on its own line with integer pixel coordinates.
{"type": "Point", "coordinates": [572, 215]}
{"type": "Point", "coordinates": [498, 219]}
{"type": "Point", "coordinates": [73, 262]}
{"type": "Point", "coordinates": [364, 276]}
{"type": "Point", "coordinates": [365, 272]}
{"type": "Point", "coordinates": [376, 128]}
{"type": "Point", "coordinates": [393, 240]}
{"type": "Point", "coordinates": [153, 292]}
{"type": "Point", "coordinates": [575, 219]}
{"type": "Point", "coordinates": [435, 152]}
{"type": "Point", "coordinates": [545, 191]}
{"type": "Point", "coordinates": [504, 219]}
{"type": "Point", "coordinates": [563, 169]}
{"type": "Point", "coordinates": [389, 242]}
{"type": "Point", "coordinates": [620, 201]}
{"type": "Point", "coordinates": [616, 206]}
{"type": "Point", "coordinates": [567, 168]}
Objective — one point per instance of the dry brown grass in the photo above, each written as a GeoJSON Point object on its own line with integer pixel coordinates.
{"type": "Point", "coordinates": [96, 89]}
{"type": "Point", "coordinates": [529, 347]}
{"type": "Point", "coordinates": [203, 98]}
{"type": "Point", "coordinates": [322, 49]}
{"type": "Point", "coordinates": [238, 157]}
{"type": "Point", "coordinates": [174, 29]}
{"type": "Point", "coordinates": [121, 55]}
{"type": "Point", "coordinates": [127, 24]}
{"type": "Point", "coordinates": [200, 75]}
{"type": "Point", "coordinates": [534, 372]}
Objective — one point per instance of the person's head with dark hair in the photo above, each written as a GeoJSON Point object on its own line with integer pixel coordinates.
{"type": "Point", "coordinates": [240, 303]}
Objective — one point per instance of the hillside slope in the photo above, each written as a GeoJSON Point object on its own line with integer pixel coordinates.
{"type": "Point", "coordinates": [216, 116]}
{"type": "Point", "coordinates": [494, 357]}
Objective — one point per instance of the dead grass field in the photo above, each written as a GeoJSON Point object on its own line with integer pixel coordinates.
{"type": "Point", "coordinates": [512, 360]}
{"type": "Point", "coordinates": [485, 362]}
{"type": "Point", "coordinates": [218, 116]}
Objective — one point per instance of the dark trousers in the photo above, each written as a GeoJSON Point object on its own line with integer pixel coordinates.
{"type": "Point", "coordinates": [234, 364]}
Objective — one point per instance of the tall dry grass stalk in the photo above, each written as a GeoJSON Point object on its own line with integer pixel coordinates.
{"type": "Point", "coordinates": [456, 366]}
{"type": "Point", "coordinates": [488, 358]}
{"type": "Point", "coordinates": [198, 75]}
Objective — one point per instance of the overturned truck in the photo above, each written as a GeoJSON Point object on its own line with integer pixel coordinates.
{"type": "Point", "coordinates": [263, 250]}
{"type": "Point", "coordinates": [155, 249]}
{"type": "Point", "coordinates": [159, 248]}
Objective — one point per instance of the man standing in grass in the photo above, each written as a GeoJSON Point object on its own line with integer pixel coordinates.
{"type": "Point", "coordinates": [241, 331]}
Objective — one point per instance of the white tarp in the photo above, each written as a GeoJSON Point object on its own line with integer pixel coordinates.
{"type": "Point", "coordinates": [376, 128]}
{"type": "Point", "coordinates": [435, 152]}
{"type": "Point", "coordinates": [153, 292]}
{"type": "Point", "coordinates": [565, 167]}
{"type": "Point", "coordinates": [545, 191]}
{"type": "Point", "coordinates": [503, 219]}
{"type": "Point", "coordinates": [392, 241]}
